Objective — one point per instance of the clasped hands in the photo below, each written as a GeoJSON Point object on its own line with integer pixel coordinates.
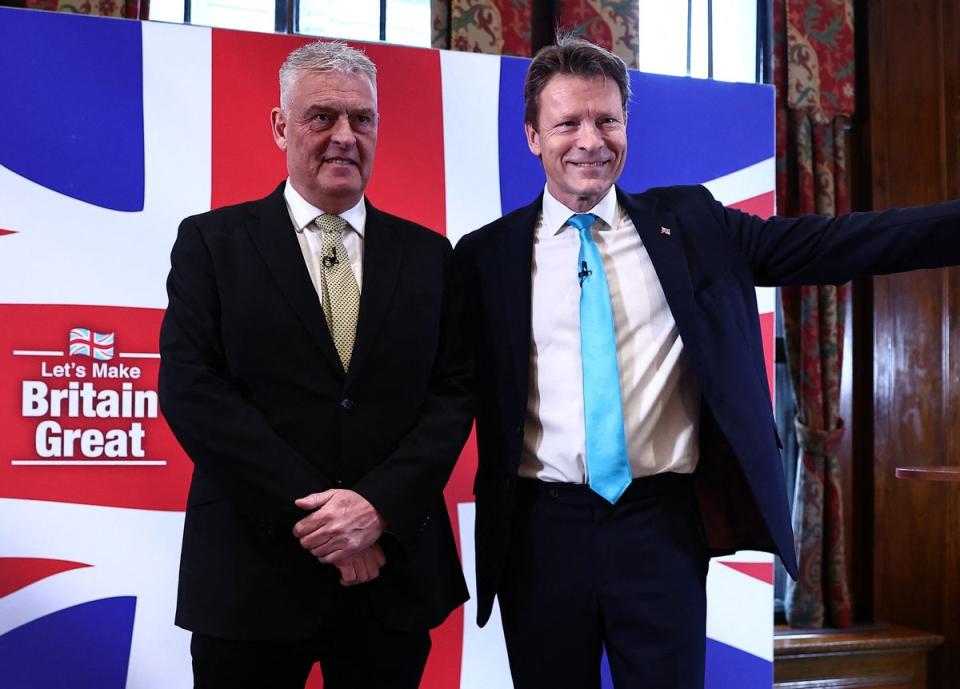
{"type": "Point", "coordinates": [342, 530]}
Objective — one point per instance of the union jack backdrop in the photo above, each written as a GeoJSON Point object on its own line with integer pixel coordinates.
{"type": "Point", "coordinates": [157, 122]}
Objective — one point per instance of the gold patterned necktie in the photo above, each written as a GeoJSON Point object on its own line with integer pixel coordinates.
{"type": "Point", "coordinates": [340, 294]}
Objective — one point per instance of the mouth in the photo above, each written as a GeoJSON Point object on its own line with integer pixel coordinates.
{"type": "Point", "coordinates": [589, 164]}
{"type": "Point", "coordinates": [339, 161]}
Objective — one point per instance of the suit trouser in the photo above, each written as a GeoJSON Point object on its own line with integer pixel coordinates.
{"type": "Point", "coordinates": [354, 649]}
{"type": "Point", "coordinates": [584, 576]}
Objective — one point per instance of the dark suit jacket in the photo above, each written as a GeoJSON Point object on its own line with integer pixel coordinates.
{"type": "Point", "coordinates": [251, 384]}
{"type": "Point", "coordinates": [708, 265]}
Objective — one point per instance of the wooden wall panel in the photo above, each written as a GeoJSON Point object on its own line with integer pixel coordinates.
{"type": "Point", "coordinates": [913, 127]}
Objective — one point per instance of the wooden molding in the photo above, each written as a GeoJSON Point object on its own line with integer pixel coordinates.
{"type": "Point", "coordinates": [867, 658]}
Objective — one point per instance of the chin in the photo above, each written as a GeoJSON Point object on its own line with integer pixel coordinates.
{"type": "Point", "coordinates": [592, 190]}
{"type": "Point", "coordinates": [335, 187]}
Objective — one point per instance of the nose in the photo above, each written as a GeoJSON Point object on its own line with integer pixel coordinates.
{"type": "Point", "coordinates": [342, 133]}
{"type": "Point", "coordinates": [590, 138]}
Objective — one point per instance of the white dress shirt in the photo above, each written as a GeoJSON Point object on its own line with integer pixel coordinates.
{"type": "Point", "coordinates": [302, 215]}
{"type": "Point", "coordinates": [659, 391]}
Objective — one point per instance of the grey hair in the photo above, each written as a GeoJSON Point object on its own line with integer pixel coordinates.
{"type": "Point", "coordinates": [325, 56]}
{"type": "Point", "coordinates": [575, 57]}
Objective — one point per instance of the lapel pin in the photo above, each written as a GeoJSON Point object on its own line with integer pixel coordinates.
{"type": "Point", "coordinates": [665, 230]}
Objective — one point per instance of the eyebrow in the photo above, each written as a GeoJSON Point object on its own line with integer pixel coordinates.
{"type": "Point", "coordinates": [326, 108]}
{"type": "Point", "coordinates": [576, 117]}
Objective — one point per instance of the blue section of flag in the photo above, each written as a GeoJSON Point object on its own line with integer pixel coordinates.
{"type": "Point", "coordinates": [688, 131]}
{"type": "Point", "coordinates": [83, 647]}
{"type": "Point", "coordinates": [77, 131]}
{"type": "Point", "coordinates": [730, 667]}
{"type": "Point", "coordinates": [727, 667]}
{"type": "Point", "coordinates": [521, 176]}
{"type": "Point", "coordinates": [680, 131]}
{"type": "Point", "coordinates": [606, 678]}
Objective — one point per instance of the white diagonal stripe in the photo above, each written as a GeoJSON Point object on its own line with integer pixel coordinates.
{"type": "Point", "coordinates": [751, 181]}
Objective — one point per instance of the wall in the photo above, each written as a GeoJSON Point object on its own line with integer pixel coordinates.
{"type": "Point", "coordinates": [911, 155]}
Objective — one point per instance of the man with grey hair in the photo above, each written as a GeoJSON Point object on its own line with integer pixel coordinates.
{"type": "Point", "coordinates": [624, 420]}
{"type": "Point", "coordinates": [312, 367]}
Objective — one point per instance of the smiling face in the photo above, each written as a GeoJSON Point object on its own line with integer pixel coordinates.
{"type": "Point", "coordinates": [328, 129]}
{"type": "Point", "coordinates": [580, 137]}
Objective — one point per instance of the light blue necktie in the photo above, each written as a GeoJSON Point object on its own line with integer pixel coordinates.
{"type": "Point", "coordinates": [607, 463]}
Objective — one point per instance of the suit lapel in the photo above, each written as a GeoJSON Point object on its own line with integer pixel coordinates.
{"type": "Point", "coordinates": [515, 253]}
{"type": "Point", "coordinates": [382, 258]}
{"type": "Point", "coordinates": [663, 240]}
{"type": "Point", "coordinates": [273, 235]}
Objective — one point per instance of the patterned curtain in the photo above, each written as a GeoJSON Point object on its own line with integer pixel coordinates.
{"type": "Point", "coordinates": [505, 27]}
{"type": "Point", "coordinates": [501, 27]}
{"type": "Point", "coordinates": [814, 65]}
{"type": "Point", "coordinates": [131, 9]}
{"type": "Point", "coordinates": [608, 23]}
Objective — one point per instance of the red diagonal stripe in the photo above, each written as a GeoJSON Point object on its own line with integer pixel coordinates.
{"type": "Point", "coordinates": [769, 342]}
{"type": "Point", "coordinates": [3, 231]}
{"type": "Point", "coordinates": [761, 205]}
{"type": "Point", "coordinates": [18, 572]}
{"type": "Point", "coordinates": [758, 570]}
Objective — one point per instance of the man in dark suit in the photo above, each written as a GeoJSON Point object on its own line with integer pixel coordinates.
{"type": "Point", "coordinates": [624, 421]}
{"type": "Point", "coordinates": [313, 369]}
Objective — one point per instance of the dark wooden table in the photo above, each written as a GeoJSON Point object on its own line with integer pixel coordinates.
{"type": "Point", "coordinates": [929, 473]}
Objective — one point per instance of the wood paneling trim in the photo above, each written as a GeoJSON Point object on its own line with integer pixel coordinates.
{"type": "Point", "coordinates": [869, 682]}
{"type": "Point", "coordinates": [789, 643]}
{"type": "Point", "coordinates": [891, 657]}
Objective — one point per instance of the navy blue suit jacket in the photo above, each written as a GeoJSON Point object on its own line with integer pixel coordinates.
{"type": "Point", "coordinates": [709, 264]}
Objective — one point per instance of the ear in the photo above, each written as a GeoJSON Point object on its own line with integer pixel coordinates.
{"type": "Point", "coordinates": [278, 125]}
{"type": "Point", "coordinates": [533, 138]}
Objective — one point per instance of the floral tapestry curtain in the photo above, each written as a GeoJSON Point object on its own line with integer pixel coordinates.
{"type": "Point", "coordinates": [505, 27]}
{"type": "Point", "coordinates": [483, 26]}
{"type": "Point", "coordinates": [609, 23]}
{"type": "Point", "coordinates": [814, 74]}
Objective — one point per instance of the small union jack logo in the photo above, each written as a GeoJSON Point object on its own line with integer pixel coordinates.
{"type": "Point", "coordinates": [84, 342]}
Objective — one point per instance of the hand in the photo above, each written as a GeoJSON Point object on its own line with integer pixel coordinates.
{"type": "Point", "coordinates": [363, 568]}
{"type": "Point", "coordinates": [341, 525]}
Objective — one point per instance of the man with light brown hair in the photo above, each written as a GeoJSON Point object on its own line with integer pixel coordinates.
{"type": "Point", "coordinates": [624, 421]}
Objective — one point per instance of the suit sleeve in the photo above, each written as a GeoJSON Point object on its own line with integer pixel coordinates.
{"type": "Point", "coordinates": [405, 487]}
{"type": "Point", "coordinates": [222, 431]}
{"type": "Point", "coordinates": [816, 249]}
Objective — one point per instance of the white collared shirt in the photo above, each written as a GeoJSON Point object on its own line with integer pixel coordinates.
{"type": "Point", "coordinates": [302, 215]}
{"type": "Point", "coordinates": [660, 395]}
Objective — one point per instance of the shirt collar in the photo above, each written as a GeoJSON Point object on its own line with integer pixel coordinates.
{"type": "Point", "coordinates": [303, 213]}
{"type": "Point", "coordinates": [555, 214]}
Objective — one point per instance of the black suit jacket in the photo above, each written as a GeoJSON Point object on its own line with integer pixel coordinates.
{"type": "Point", "coordinates": [251, 384]}
{"type": "Point", "coordinates": [709, 261]}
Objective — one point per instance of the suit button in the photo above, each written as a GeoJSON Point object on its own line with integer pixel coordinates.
{"type": "Point", "coordinates": [339, 482]}
{"type": "Point", "coordinates": [346, 403]}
